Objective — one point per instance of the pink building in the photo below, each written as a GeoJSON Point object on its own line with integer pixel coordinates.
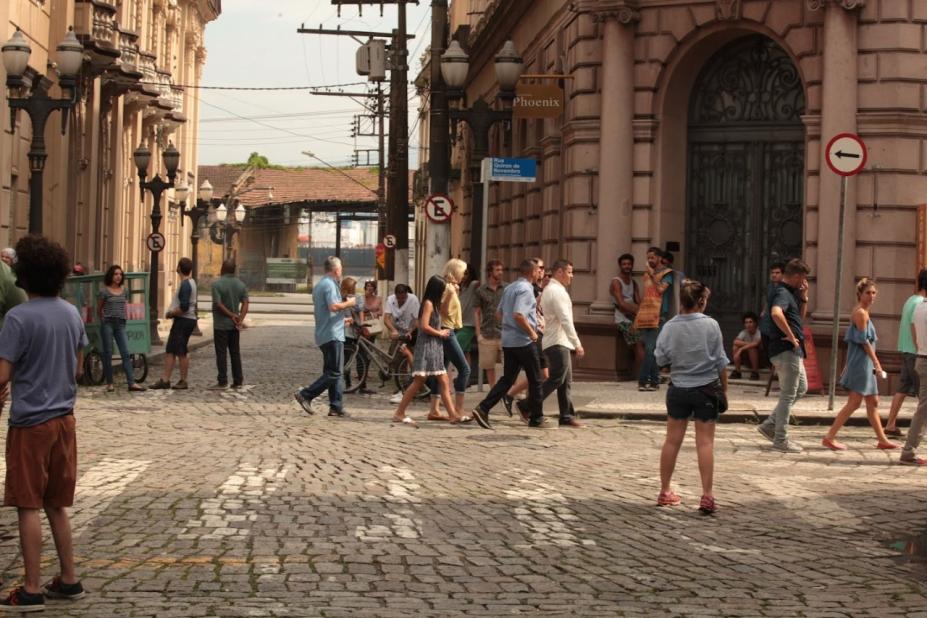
{"type": "Point", "coordinates": [703, 123]}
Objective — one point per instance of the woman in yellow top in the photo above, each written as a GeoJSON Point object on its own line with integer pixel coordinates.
{"type": "Point", "coordinates": [452, 317]}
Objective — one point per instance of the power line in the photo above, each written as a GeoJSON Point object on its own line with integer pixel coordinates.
{"type": "Point", "coordinates": [259, 88]}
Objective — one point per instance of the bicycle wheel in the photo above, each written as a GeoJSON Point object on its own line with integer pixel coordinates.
{"type": "Point", "coordinates": [139, 367]}
{"type": "Point", "coordinates": [93, 368]}
{"type": "Point", "coordinates": [403, 376]}
{"type": "Point", "coordinates": [356, 365]}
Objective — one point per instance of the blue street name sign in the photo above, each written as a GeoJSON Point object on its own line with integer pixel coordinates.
{"type": "Point", "coordinates": [513, 170]}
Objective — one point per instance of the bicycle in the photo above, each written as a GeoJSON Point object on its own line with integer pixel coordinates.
{"type": "Point", "coordinates": [361, 353]}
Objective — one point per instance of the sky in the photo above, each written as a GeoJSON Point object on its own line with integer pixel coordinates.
{"type": "Point", "coordinates": [254, 44]}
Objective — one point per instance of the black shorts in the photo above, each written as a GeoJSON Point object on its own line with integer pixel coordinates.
{"type": "Point", "coordinates": [909, 384]}
{"type": "Point", "coordinates": [177, 341]}
{"type": "Point", "coordinates": [690, 403]}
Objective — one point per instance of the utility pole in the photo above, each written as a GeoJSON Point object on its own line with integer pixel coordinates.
{"type": "Point", "coordinates": [397, 189]}
{"type": "Point", "coordinates": [438, 235]}
{"type": "Point", "coordinates": [398, 173]}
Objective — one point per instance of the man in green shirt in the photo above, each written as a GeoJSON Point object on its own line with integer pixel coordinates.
{"type": "Point", "coordinates": [229, 308]}
{"type": "Point", "coordinates": [909, 382]}
{"type": "Point", "coordinates": [10, 293]}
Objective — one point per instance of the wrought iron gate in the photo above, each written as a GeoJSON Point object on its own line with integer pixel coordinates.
{"type": "Point", "coordinates": [745, 174]}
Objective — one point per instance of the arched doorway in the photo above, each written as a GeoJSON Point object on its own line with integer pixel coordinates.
{"type": "Point", "coordinates": [746, 165]}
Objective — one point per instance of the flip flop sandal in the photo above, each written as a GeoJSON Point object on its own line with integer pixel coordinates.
{"type": "Point", "coordinates": [437, 418]}
{"type": "Point", "coordinates": [463, 420]}
{"type": "Point", "coordinates": [407, 420]}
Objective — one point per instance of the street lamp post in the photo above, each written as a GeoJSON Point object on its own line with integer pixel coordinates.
{"type": "Point", "coordinates": [39, 106]}
{"type": "Point", "coordinates": [157, 186]}
{"type": "Point", "coordinates": [197, 212]}
{"type": "Point", "coordinates": [231, 227]}
{"type": "Point", "coordinates": [455, 65]}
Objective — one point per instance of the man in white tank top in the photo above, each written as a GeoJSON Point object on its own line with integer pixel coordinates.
{"type": "Point", "coordinates": [627, 297]}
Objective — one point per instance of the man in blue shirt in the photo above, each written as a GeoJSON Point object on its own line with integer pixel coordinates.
{"type": "Point", "coordinates": [518, 309]}
{"type": "Point", "coordinates": [786, 349]}
{"type": "Point", "coordinates": [329, 336]}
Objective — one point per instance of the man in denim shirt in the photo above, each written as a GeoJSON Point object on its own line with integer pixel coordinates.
{"type": "Point", "coordinates": [786, 343]}
{"type": "Point", "coordinates": [329, 336]}
{"type": "Point", "coordinates": [518, 307]}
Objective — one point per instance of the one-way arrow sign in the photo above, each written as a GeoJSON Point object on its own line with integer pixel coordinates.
{"type": "Point", "coordinates": [846, 154]}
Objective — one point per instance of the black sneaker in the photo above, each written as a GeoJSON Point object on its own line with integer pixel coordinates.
{"type": "Point", "coordinates": [523, 412]}
{"type": "Point", "coordinates": [736, 375]}
{"type": "Point", "coordinates": [755, 375]}
{"type": "Point", "coordinates": [304, 403]}
{"type": "Point", "coordinates": [339, 413]}
{"type": "Point", "coordinates": [507, 402]}
{"type": "Point", "coordinates": [541, 424]}
{"type": "Point", "coordinates": [160, 385]}
{"type": "Point", "coordinates": [23, 601]}
{"type": "Point", "coordinates": [481, 418]}
{"type": "Point", "coordinates": [57, 589]}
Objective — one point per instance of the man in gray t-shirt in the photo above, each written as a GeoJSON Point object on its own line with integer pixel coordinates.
{"type": "Point", "coordinates": [40, 354]}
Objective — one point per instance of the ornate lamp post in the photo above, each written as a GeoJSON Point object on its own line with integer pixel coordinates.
{"type": "Point", "coordinates": [197, 212]}
{"type": "Point", "coordinates": [171, 158]}
{"type": "Point", "coordinates": [231, 226]}
{"type": "Point", "coordinates": [455, 65]}
{"type": "Point", "coordinates": [39, 106]}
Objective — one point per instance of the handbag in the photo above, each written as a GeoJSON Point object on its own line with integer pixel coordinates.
{"type": "Point", "coordinates": [374, 326]}
{"type": "Point", "coordinates": [714, 391]}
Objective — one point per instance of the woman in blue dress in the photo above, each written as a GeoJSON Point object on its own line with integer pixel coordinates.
{"type": "Point", "coordinates": [859, 374]}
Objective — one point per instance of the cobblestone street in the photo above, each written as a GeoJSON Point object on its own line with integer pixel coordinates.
{"type": "Point", "coordinates": [204, 503]}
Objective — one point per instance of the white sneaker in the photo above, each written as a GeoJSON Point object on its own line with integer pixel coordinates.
{"type": "Point", "coordinates": [396, 398]}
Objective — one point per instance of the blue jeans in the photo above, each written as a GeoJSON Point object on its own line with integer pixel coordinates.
{"type": "Point", "coordinates": [115, 329]}
{"type": "Point", "coordinates": [453, 355]}
{"type": "Point", "coordinates": [793, 383]}
{"type": "Point", "coordinates": [331, 379]}
{"type": "Point", "coordinates": [650, 373]}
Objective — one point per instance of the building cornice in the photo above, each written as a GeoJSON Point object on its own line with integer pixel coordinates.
{"type": "Point", "coordinates": [623, 11]}
{"type": "Point", "coordinates": [848, 5]}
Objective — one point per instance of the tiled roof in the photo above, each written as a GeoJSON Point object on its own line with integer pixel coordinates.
{"type": "Point", "coordinates": [296, 185]}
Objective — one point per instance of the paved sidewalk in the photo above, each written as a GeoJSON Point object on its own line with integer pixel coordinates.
{"type": "Point", "coordinates": [622, 400]}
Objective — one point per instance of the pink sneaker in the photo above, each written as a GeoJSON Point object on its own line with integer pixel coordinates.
{"type": "Point", "coordinates": [668, 498]}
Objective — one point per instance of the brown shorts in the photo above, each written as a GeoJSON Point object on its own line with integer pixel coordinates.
{"type": "Point", "coordinates": [41, 464]}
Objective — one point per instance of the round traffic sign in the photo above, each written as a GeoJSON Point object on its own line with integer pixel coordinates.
{"type": "Point", "coordinates": [389, 241]}
{"type": "Point", "coordinates": [155, 242]}
{"type": "Point", "coordinates": [846, 154]}
{"type": "Point", "coordinates": [438, 208]}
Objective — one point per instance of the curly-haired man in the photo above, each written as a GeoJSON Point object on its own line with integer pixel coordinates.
{"type": "Point", "coordinates": [40, 355]}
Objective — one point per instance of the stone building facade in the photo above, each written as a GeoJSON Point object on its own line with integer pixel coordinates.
{"type": "Point", "coordinates": [138, 55]}
{"type": "Point", "coordinates": [703, 123]}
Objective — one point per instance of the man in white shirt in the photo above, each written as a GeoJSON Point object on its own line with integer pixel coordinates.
{"type": "Point", "coordinates": [401, 313]}
{"type": "Point", "coordinates": [919, 421]}
{"type": "Point", "coordinates": [560, 340]}
{"type": "Point", "coordinates": [400, 317]}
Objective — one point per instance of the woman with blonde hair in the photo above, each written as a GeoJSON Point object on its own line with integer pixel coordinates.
{"type": "Point", "coordinates": [859, 373]}
{"type": "Point", "coordinates": [452, 318]}
{"type": "Point", "coordinates": [692, 346]}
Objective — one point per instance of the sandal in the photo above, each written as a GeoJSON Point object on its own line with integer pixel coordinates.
{"type": "Point", "coordinates": [135, 388]}
{"type": "Point", "coordinates": [463, 420]}
{"type": "Point", "coordinates": [406, 420]}
{"type": "Point", "coordinates": [833, 444]}
{"type": "Point", "coordinates": [914, 461]}
{"type": "Point", "coordinates": [887, 446]}
{"type": "Point", "coordinates": [437, 417]}
{"type": "Point", "coordinates": [668, 498]}
{"type": "Point", "coordinates": [707, 506]}
{"type": "Point", "coordinates": [110, 388]}
{"type": "Point", "coordinates": [894, 432]}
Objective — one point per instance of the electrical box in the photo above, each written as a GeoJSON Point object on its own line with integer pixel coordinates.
{"type": "Point", "coordinates": [376, 58]}
{"type": "Point", "coordinates": [363, 60]}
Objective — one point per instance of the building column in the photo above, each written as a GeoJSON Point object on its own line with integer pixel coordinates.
{"type": "Point", "coordinates": [616, 144]}
{"type": "Point", "coordinates": [838, 115]}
